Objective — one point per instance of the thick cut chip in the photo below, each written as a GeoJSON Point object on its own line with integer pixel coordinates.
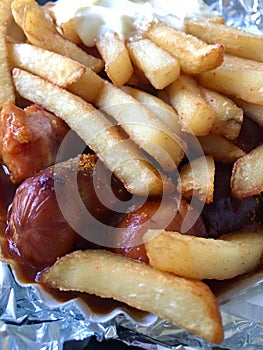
{"type": "Point", "coordinates": [41, 31]}
{"type": "Point", "coordinates": [247, 174]}
{"type": "Point", "coordinates": [119, 154]}
{"type": "Point", "coordinates": [143, 127]}
{"type": "Point", "coordinates": [6, 85]}
{"type": "Point", "coordinates": [220, 148]}
{"type": "Point", "coordinates": [236, 41]}
{"type": "Point", "coordinates": [229, 117]}
{"type": "Point", "coordinates": [56, 68]}
{"type": "Point", "coordinates": [189, 304]}
{"type": "Point", "coordinates": [238, 77]}
{"type": "Point", "coordinates": [196, 115]}
{"type": "Point", "coordinates": [116, 57]}
{"type": "Point", "coordinates": [194, 55]}
{"type": "Point", "coordinates": [197, 179]}
{"type": "Point", "coordinates": [204, 258]}
{"type": "Point", "coordinates": [157, 64]}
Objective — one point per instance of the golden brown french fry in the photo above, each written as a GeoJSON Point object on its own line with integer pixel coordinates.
{"type": "Point", "coordinates": [197, 179]}
{"type": "Point", "coordinates": [157, 64]}
{"type": "Point", "coordinates": [229, 117]}
{"type": "Point", "coordinates": [69, 31]}
{"type": "Point", "coordinates": [196, 115]}
{"type": "Point", "coordinates": [202, 258]}
{"type": "Point", "coordinates": [236, 41]}
{"type": "Point", "coordinates": [187, 303]}
{"type": "Point", "coordinates": [247, 174]}
{"type": "Point", "coordinates": [41, 31]}
{"type": "Point", "coordinates": [220, 148]}
{"type": "Point", "coordinates": [149, 132]}
{"type": "Point", "coordinates": [239, 77]}
{"type": "Point", "coordinates": [6, 85]}
{"type": "Point", "coordinates": [194, 55]}
{"type": "Point", "coordinates": [120, 155]}
{"type": "Point", "coordinates": [116, 57]}
{"type": "Point", "coordinates": [56, 68]}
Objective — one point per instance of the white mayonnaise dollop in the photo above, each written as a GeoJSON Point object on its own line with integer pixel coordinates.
{"type": "Point", "coordinates": [125, 16]}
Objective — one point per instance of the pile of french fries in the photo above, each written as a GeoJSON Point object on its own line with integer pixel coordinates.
{"type": "Point", "coordinates": [204, 78]}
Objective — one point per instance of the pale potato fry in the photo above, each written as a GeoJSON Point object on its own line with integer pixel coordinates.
{"type": "Point", "coordinates": [126, 161]}
{"type": "Point", "coordinates": [236, 41]}
{"type": "Point", "coordinates": [157, 64]}
{"type": "Point", "coordinates": [187, 303]}
{"type": "Point", "coordinates": [41, 31]}
{"type": "Point", "coordinates": [197, 179]}
{"type": "Point", "coordinates": [247, 174]}
{"type": "Point", "coordinates": [240, 77]}
{"type": "Point", "coordinates": [252, 110]}
{"type": "Point", "coordinates": [88, 86]}
{"type": "Point", "coordinates": [196, 115]}
{"type": "Point", "coordinates": [56, 68]}
{"type": "Point", "coordinates": [6, 85]}
{"type": "Point", "coordinates": [116, 57]}
{"type": "Point", "coordinates": [229, 117]}
{"type": "Point", "coordinates": [141, 125]}
{"type": "Point", "coordinates": [202, 258]}
{"type": "Point", "coordinates": [161, 109]}
{"type": "Point", "coordinates": [194, 55]}
{"type": "Point", "coordinates": [220, 148]}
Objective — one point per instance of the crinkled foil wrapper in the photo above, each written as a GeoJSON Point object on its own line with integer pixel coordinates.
{"type": "Point", "coordinates": [28, 320]}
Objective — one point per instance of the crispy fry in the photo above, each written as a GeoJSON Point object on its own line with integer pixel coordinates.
{"type": "Point", "coordinates": [56, 68]}
{"type": "Point", "coordinates": [236, 41]}
{"type": "Point", "coordinates": [220, 148]}
{"type": "Point", "coordinates": [202, 258]}
{"type": "Point", "coordinates": [229, 117]}
{"type": "Point", "coordinates": [6, 85]}
{"type": "Point", "coordinates": [42, 32]}
{"type": "Point", "coordinates": [189, 304]}
{"type": "Point", "coordinates": [197, 178]}
{"type": "Point", "coordinates": [194, 55]}
{"type": "Point", "coordinates": [157, 64]}
{"type": "Point", "coordinates": [252, 110]}
{"type": "Point", "coordinates": [247, 174]}
{"type": "Point", "coordinates": [196, 115]}
{"type": "Point", "coordinates": [116, 56]}
{"type": "Point", "coordinates": [126, 161]}
{"type": "Point", "coordinates": [240, 77]}
{"type": "Point", "coordinates": [142, 125]}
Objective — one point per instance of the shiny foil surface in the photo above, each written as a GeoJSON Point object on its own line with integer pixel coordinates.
{"type": "Point", "coordinates": [29, 320]}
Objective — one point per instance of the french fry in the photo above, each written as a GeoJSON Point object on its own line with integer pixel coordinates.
{"type": "Point", "coordinates": [202, 258]}
{"type": "Point", "coordinates": [197, 179]}
{"type": "Point", "coordinates": [41, 31]}
{"type": "Point", "coordinates": [126, 161]}
{"type": "Point", "coordinates": [196, 115]}
{"type": "Point", "coordinates": [187, 303]}
{"type": "Point", "coordinates": [220, 148]}
{"type": "Point", "coordinates": [240, 77]}
{"type": "Point", "coordinates": [141, 125]}
{"type": "Point", "coordinates": [236, 41]}
{"type": "Point", "coordinates": [157, 64]}
{"type": "Point", "coordinates": [56, 68]}
{"type": "Point", "coordinates": [6, 85]}
{"type": "Point", "coordinates": [252, 110]}
{"type": "Point", "coordinates": [229, 117]}
{"type": "Point", "coordinates": [161, 109]}
{"type": "Point", "coordinates": [194, 55]}
{"type": "Point", "coordinates": [69, 31]}
{"type": "Point", "coordinates": [116, 56]}
{"type": "Point", "coordinates": [247, 174]}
